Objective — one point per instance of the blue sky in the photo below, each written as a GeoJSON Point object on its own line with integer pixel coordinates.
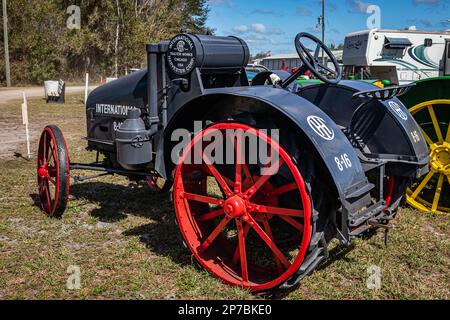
{"type": "Point", "coordinates": [272, 24]}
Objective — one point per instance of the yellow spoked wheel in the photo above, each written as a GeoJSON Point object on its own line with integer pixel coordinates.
{"type": "Point", "coordinates": [432, 194]}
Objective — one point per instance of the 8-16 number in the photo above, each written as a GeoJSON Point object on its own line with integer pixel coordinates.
{"type": "Point", "coordinates": [343, 162]}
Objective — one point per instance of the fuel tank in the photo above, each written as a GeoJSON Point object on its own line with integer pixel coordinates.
{"type": "Point", "coordinates": [108, 107]}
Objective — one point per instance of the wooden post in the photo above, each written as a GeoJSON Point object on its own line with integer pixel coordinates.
{"type": "Point", "coordinates": [25, 122]}
{"type": "Point", "coordinates": [5, 31]}
{"type": "Point", "coordinates": [86, 88]}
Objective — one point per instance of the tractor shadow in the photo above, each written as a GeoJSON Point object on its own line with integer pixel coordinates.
{"type": "Point", "coordinates": [114, 203]}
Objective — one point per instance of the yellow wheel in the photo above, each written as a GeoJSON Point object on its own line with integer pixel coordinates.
{"type": "Point", "coordinates": [432, 194]}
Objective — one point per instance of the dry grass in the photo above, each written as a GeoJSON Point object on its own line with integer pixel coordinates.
{"type": "Point", "coordinates": [129, 249]}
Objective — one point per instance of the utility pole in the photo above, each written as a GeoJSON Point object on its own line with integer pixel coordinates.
{"type": "Point", "coordinates": [5, 31]}
{"type": "Point", "coordinates": [323, 29]}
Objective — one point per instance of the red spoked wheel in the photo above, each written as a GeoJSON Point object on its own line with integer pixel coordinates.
{"type": "Point", "coordinates": [248, 227]}
{"type": "Point", "coordinates": [53, 172]}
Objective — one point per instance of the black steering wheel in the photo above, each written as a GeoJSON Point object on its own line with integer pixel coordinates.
{"type": "Point", "coordinates": [313, 62]}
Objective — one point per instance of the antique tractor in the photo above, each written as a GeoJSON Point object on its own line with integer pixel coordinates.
{"type": "Point", "coordinates": [339, 155]}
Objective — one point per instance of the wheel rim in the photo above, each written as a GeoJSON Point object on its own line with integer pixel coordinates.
{"type": "Point", "coordinates": [236, 222]}
{"type": "Point", "coordinates": [48, 172]}
{"type": "Point", "coordinates": [429, 193]}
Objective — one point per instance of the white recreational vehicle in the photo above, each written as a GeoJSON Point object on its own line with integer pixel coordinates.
{"type": "Point", "coordinates": [401, 56]}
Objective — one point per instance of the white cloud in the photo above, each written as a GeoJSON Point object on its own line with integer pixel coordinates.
{"type": "Point", "coordinates": [240, 29]}
{"type": "Point", "coordinates": [259, 27]}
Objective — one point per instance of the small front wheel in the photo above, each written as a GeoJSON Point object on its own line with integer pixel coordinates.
{"type": "Point", "coordinates": [53, 171]}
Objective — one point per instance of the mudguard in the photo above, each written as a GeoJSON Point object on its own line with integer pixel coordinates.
{"type": "Point", "coordinates": [398, 137]}
{"type": "Point", "coordinates": [332, 145]}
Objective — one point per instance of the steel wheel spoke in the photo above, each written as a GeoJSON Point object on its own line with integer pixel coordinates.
{"type": "Point", "coordinates": [52, 155]}
{"type": "Point", "coordinates": [212, 215]}
{"type": "Point", "coordinates": [236, 252]}
{"type": "Point", "coordinates": [278, 211]}
{"type": "Point", "coordinates": [49, 199]}
{"type": "Point", "coordinates": [437, 128]}
{"type": "Point", "coordinates": [262, 180]}
{"type": "Point", "coordinates": [247, 173]}
{"type": "Point", "coordinates": [284, 189]}
{"type": "Point", "coordinates": [242, 251]}
{"type": "Point", "coordinates": [437, 195]}
{"type": "Point", "coordinates": [427, 137]}
{"type": "Point", "coordinates": [205, 245]}
{"type": "Point", "coordinates": [269, 243]}
{"type": "Point", "coordinates": [422, 184]}
{"type": "Point", "coordinates": [294, 223]}
{"type": "Point", "coordinates": [220, 179]}
{"type": "Point", "coordinates": [447, 138]}
{"type": "Point", "coordinates": [203, 199]}
{"type": "Point", "coordinates": [268, 231]}
{"type": "Point", "coordinates": [45, 148]}
{"type": "Point", "coordinates": [228, 181]}
{"type": "Point", "coordinates": [238, 176]}
{"type": "Point", "coordinates": [51, 180]}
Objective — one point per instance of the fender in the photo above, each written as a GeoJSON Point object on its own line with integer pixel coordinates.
{"type": "Point", "coordinates": [332, 145]}
{"type": "Point", "coordinates": [398, 137]}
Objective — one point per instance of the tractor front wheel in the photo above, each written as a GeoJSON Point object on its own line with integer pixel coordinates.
{"type": "Point", "coordinates": [53, 172]}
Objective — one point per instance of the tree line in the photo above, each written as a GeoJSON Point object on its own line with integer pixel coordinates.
{"type": "Point", "coordinates": [111, 38]}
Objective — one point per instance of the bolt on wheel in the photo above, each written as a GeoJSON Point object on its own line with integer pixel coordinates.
{"type": "Point", "coordinates": [53, 172]}
{"type": "Point", "coordinates": [249, 227]}
{"type": "Point", "coordinates": [432, 193]}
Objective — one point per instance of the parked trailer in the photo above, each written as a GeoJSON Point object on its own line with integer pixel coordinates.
{"type": "Point", "coordinates": [332, 171]}
{"type": "Point", "coordinates": [423, 58]}
{"type": "Point", "coordinates": [400, 56]}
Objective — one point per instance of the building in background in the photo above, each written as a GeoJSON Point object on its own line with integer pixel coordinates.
{"type": "Point", "coordinates": [289, 61]}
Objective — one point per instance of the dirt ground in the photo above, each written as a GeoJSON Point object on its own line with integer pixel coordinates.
{"type": "Point", "coordinates": [12, 131]}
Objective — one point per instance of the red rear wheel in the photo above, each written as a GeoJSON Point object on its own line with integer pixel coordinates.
{"type": "Point", "coordinates": [248, 229]}
{"type": "Point", "coordinates": [53, 172]}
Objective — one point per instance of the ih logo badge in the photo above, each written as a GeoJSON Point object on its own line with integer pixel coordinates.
{"type": "Point", "coordinates": [320, 127]}
{"type": "Point", "coordinates": [180, 46]}
{"type": "Point", "coordinates": [394, 106]}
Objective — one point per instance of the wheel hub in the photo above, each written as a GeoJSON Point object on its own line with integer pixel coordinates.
{"type": "Point", "coordinates": [43, 172]}
{"type": "Point", "coordinates": [440, 158]}
{"type": "Point", "coordinates": [235, 207]}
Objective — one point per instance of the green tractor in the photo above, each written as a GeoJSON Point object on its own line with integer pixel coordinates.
{"type": "Point", "coordinates": [429, 103]}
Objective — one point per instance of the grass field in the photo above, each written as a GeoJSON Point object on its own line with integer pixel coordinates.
{"type": "Point", "coordinates": [127, 246]}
